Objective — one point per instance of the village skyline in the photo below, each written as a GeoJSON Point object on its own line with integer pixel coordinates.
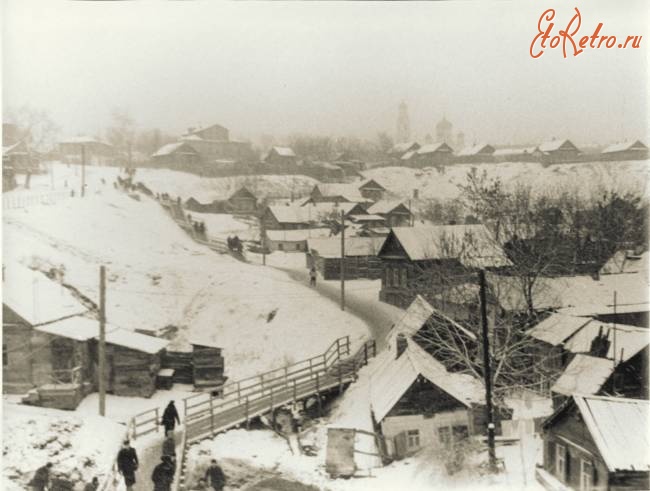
{"type": "Point", "coordinates": [329, 70]}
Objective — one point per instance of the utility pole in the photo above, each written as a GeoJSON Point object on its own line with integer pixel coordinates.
{"type": "Point", "coordinates": [342, 260]}
{"type": "Point", "coordinates": [410, 215]}
{"type": "Point", "coordinates": [487, 373]}
{"type": "Point", "coordinates": [102, 341]}
{"type": "Point", "coordinates": [83, 170]}
{"type": "Point", "coordinates": [263, 240]}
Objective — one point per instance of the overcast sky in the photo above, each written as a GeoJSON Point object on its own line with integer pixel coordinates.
{"type": "Point", "coordinates": [327, 68]}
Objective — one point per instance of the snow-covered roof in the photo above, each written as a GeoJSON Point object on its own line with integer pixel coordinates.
{"type": "Point", "coordinates": [284, 151]}
{"type": "Point", "coordinates": [433, 147]}
{"type": "Point", "coordinates": [12, 149]}
{"type": "Point", "coordinates": [202, 340]}
{"type": "Point", "coordinates": [191, 138]}
{"type": "Point", "coordinates": [384, 207]}
{"type": "Point", "coordinates": [468, 243]}
{"type": "Point", "coordinates": [171, 148]}
{"type": "Point", "coordinates": [348, 191]}
{"type": "Point", "coordinates": [366, 218]}
{"type": "Point", "coordinates": [290, 214]}
{"type": "Point", "coordinates": [476, 149]}
{"type": "Point", "coordinates": [617, 427]}
{"type": "Point", "coordinates": [553, 145]}
{"type": "Point", "coordinates": [585, 375]}
{"type": "Point", "coordinates": [625, 145]}
{"type": "Point", "coordinates": [628, 340]}
{"type": "Point", "coordinates": [409, 155]}
{"type": "Point", "coordinates": [243, 192]}
{"type": "Point", "coordinates": [310, 212]}
{"type": "Point", "coordinates": [557, 328]}
{"type": "Point", "coordinates": [393, 377]}
{"type": "Point", "coordinates": [414, 318]}
{"type": "Point", "coordinates": [403, 147]}
{"type": "Point", "coordinates": [371, 184]}
{"type": "Point", "coordinates": [509, 151]}
{"type": "Point", "coordinates": [624, 262]}
{"type": "Point", "coordinates": [82, 328]}
{"type": "Point", "coordinates": [36, 298]}
{"type": "Point", "coordinates": [354, 246]}
{"type": "Point", "coordinates": [82, 139]}
{"type": "Point", "coordinates": [299, 235]}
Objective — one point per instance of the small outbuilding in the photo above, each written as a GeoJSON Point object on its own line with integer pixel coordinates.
{"type": "Point", "coordinates": [361, 259]}
{"type": "Point", "coordinates": [293, 240]}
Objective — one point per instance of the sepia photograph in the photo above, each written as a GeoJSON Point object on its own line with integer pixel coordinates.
{"type": "Point", "coordinates": [337, 246]}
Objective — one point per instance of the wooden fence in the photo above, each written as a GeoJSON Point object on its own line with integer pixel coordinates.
{"type": "Point", "coordinates": [13, 201]}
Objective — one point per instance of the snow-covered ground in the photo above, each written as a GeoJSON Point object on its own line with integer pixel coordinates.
{"type": "Point", "coordinates": [583, 177]}
{"type": "Point", "coordinates": [79, 447]}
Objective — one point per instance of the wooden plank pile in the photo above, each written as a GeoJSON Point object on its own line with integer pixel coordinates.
{"type": "Point", "coordinates": [59, 396]}
{"type": "Point", "coordinates": [181, 363]}
{"type": "Point", "coordinates": [135, 372]}
{"type": "Point", "coordinates": [208, 366]}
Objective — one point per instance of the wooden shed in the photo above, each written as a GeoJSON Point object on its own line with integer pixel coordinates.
{"type": "Point", "coordinates": [208, 364]}
{"type": "Point", "coordinates": [242, 201]}
{"type": "Point", "coordinates": [361, 260]}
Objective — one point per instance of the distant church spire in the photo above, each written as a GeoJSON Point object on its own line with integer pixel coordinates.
{"type": "Point", "coordinates": [403, 133]}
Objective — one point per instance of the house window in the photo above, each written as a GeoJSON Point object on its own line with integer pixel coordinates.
{"type": "Point", "coordinates": [413, 439]}
{"type": "Point", "coordinates": [388, 277]}
{"type": "Point", "coordinates": [395, 276]}
{"type": "Point", "coordinates": [444, 436]}
{"type": "Point", "coordinates": [460, 433]}
{"type": "Point", "coordinates": [280, 247]}
{"type": "Point", "coordinates": [560, 461]}
{"type": "Point", "coordinates": [404, 278]}
{"type": "Point", "coordinates": [586, 475]}
{"type": "Point", "coordinates": [297, 247]}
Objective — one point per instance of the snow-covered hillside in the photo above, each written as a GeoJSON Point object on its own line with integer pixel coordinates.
{"type": "Point", "coordinates": [157, 276]}
{"type": "Point", "coordinates": [586, 177]}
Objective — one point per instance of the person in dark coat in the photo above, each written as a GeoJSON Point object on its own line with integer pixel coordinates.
{"type": "Point", "coordinates": [312, 276]}
{"type": "Point", "coordinates": [127, 464]}
{"type": "Point", "coordinates": [170, 417]}
{"type": "Point", "coordinates": [169, 447]}
{"type": "Point", "coordinates": [92, 485]}
{"type": "Point", "coordinates": [215, 476]}
{"type": "Point", "coordinates": [163, 475]}
{"type": "Point", "coordinates": [41, 479]}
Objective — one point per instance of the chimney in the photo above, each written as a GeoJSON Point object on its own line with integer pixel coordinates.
{"type": "Point", "coordinates": [401, 345]}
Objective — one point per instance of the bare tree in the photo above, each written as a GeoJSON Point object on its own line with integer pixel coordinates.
{"type": "Point", "coordinates": [35, 126]}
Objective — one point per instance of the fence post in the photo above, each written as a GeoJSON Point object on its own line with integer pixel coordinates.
{"type": "Point", "coordinates": [211, 418]}
{"type": "Point", "coordinates": [157, 420]}
{"type": "Point", "coordinates": [340, 380]}
{"type": "Point", "coordinates": [185, 408]}
{"type": "Point", "coordinates": [247, 415]}
{"type": "Point", "coordinates": [365, 353]}
{"type": "Point", "coordinates": [294, 390]}
{"type": "Point", "coordinates": [318, 394]}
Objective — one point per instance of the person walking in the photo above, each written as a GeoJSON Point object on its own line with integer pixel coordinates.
{"type": "Point", "coordinates": [169, 447]}
{"type": "Point", "coordinates": [127, 464]}
{"type": "Point", "coordinates": [170, 417]}
{"type": "Point", "coordinates": [41, 479]}
{"type": "Point", "coordinates": [215, 476]}
{"type": "Point", "coordinates": [92, 485]}
{"type": "Point", "coordinates": [163, 475]}
{"type": "Point", "coordinates": [312, 276]}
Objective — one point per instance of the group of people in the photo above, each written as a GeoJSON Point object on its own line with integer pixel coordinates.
{"type": "Point", "coordinates": [42, 480]}
{"type": "Point", "coordinates": [234, 244]}
{"type": "Point", "coordinates": [163, 474]}
{"type": "Point", "coordinates": [199, 227]}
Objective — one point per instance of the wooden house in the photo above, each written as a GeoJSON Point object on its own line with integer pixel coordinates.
{"type": "Point", "coordinates": [281, 156]}
{"type": "Point", "coordinates": [361, 259]}
{"type": "Point", "coordinates": [628, 150]}
{"type": "Point", "coordinates": [242, 201]}
{"type": "Point", "coordinates": [179, 156]}
{"type": "Point", "coordinates": [208, 364]}
{"type": "Point", "coordinates": [96, 152]}
{"type": "Point", "coordinates": [433, 154]}
{"type": "Point", "coordinates": [372, 190]}
{"type": "Point", "coordinates": [514, 154]}
{"type": "Point", "coordinates": [213, 144]}
{"type": "Point", "coordinates": [480, 152]}
{"type": "Point", "coordinates": [595, 442]}
{"type": "Point", "coordinates": [425, 260]}
{"type": "Point", "coordinates": [19, 159]}
{"type": "Point", "coordinates": [417, 403]}
{"type": "Point", "coordinates": [217, 206]}
{"type": "Point", "coordinates": [285, 217]}
{"type": "Point", "coordinates": [557, 151]}
{"type": "Point", "coordinates": [394, 213]}
{"type": "Point", "coordinates": [313, 215]}
{"type": "Point", "coordinates": [293, 240]}
{"type": "Point", "coordinates": [336, 193]}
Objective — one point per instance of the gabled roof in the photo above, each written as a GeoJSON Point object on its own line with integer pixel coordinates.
{"type": "Point", "coordinates": [617, 426]}
{"type": "Point", "coordinates": [36, 298]}
{"type": "Point", "coordinates": [347, 191]}
{"type": "Point", "coordinates": [385, 207]}
{"type": "Point", "coordinates": [82, 328]}
{"type": "Point", "coordinates": [171, 148]}
{"type": "Point", "coordinates": [477, 149]}
{"type": "Point", "coordinates": [400, 148]}
{"type": "Point", "coordinates": [624, 262]}
{"type": "Point", "coordinates": [553, 145]}
{"type": "Point", "coordinates": [194, 131]}
{"type": "Point", "coordinates": [471, 244]}
{"type": "Point", "coordinates": [371, 184]}
{"type": "Point", "coordinates": [243, 192]}
{"type": "Point", "coordinates": [289, 214]}
{"type": "Point", "coordinates": [624, 146]}
{"type": "Point", "coordinates": [626, 339]}
{"type": "Point", "coordinates": [409, 155]}
{"type": "Point", "coordinates": [354, 246]}
{"type": "Point", "coordinates": [20, 147]}
{"type": "Point", "coordinates": [557, 328]}
{"type": "Point", "coordinates": [284, 151]}
{"type": "Point", "coordinates": [393, 377]}
{"type": "Point", "coordinates": [311, 212]}
{"type": "Point", "coordinates": [585, 375]}
{"type": "Point", "coordinates": [419, 312]}
{"type": "Point", "coordinates": [434, 147]}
